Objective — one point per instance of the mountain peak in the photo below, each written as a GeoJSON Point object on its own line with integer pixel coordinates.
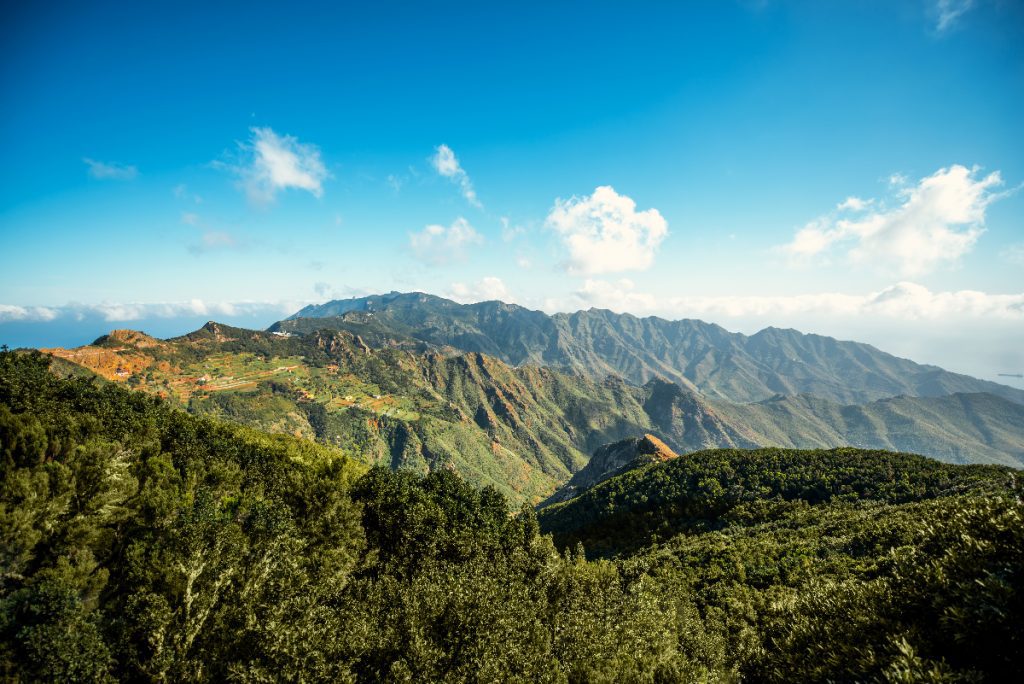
{"type": "Point", "coordinates": [128, 337]}
{"type": "Point", "coordinates": [613, 459]}
{"type": "Point", "coordinates": [649, 445]}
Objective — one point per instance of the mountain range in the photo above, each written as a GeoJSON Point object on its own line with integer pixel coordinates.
{"type": "Point", "coordinates": [520, 400]}
{"type": "Point", "coordinates": [702, 357]}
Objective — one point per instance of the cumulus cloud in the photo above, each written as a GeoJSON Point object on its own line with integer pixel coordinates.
{"type": "Point", "coordinates": [271, 163]}
{"type": "Point", "coordinates": [439, 245]}
{"type": "Point", "coordinates": [604, 232]}
{"type": "Point", "coordinates": [948, 13]}
{"type": "Point", "coordinates": [133, 311]}
{"type": "Point", "coordinates": [486, 289]}
{"type": "Point", "coordinates": [853, 204]}
{"type": "Point", "coordinates": [110, 170]}
{"type": "Point", "coordinates": [447, 164]}
{"type": "Point", "coordinates": [933, 223]}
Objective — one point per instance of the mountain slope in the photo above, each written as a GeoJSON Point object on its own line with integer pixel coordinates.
{"type": "Point", "coordinates": [696, 493]}
{"type": "Point", "coordinates": [959, 428]}
{"type": "Point", "coordinates": [696, 355]}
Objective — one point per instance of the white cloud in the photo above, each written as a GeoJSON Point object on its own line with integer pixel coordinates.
{"type": "Point", "coordinates": [11, 312]}
{"type": "Point", "coordinates": [934, 223]}
{"type": "Point", "coordinates": [110, 170]}
{"type": "Point", "coordinates": [619, 295]}
{"type": "Point", "coordinates": [510, 232]}
{"type": "Point", "coordinates": [189, 218]}
{"type": "Point", "coordinates": [486, 289]}
{"type": "Point", "coordinates": [272, 163]}
{"type": "Point", "coordinates": [133, 311]}
{"type": "Point", "coordinates": [438, 245]}
{"type": "Point", "coordinates": [948, 12]}
{"type": "Point", "coordinates": [604, 232]}
{"type": "Point", "coordinates": [897, 180]}
{"type": "Point", "coordinates": [447, 164]}
{"type": "Point", "coordinates": [853, 204]}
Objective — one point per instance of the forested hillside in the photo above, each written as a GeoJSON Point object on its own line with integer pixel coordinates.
{"type": "Point", "coordinates": [143, 543]}
{"type": "Point", "coordinates": [699, 356]}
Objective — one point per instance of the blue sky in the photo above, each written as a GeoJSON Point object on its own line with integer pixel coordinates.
{"type": "Point", "coordinates": [847, 168]}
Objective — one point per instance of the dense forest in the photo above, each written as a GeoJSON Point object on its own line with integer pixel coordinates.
{"type": "Point", "coordinates": [144, 543]}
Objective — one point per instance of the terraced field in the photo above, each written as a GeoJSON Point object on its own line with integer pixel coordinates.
{"type": "Point", "coordinates": [241, 372]}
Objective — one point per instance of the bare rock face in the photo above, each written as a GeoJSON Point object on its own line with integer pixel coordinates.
{"type": "Point", "coordinates": [649, 445]}
{"type": "Point", "coordinates": [612, 459]}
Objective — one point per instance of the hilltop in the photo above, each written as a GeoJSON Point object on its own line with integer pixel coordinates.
{"type": "Point", "coordinates": [610, 460]}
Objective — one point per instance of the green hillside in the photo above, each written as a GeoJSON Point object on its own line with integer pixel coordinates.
{"type": "Point", "coordinates": [698, 356]}
{"type": "Point", "coordinates": [839, 565]}
{"type": "Point", "coordinates": [141, 543]}
{"type": "Point", "coordinates": [522, 430]}
{"type": "Point", "coordinates": [959, 428]}
{"type": "Point", "coordinates": [698, 491]}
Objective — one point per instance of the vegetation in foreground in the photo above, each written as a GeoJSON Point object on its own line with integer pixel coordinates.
{"type": "Point", "coordinates": [139, 542]}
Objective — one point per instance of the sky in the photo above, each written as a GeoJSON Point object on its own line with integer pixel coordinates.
{"type": "Point", "coordinates": [853, 169]}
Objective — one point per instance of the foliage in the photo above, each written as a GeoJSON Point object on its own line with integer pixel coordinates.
{"type": "Point", "coordinates": [139, 542]}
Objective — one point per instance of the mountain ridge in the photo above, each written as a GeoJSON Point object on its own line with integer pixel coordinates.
{"type": "Point", "coordinates": [699, 356]}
